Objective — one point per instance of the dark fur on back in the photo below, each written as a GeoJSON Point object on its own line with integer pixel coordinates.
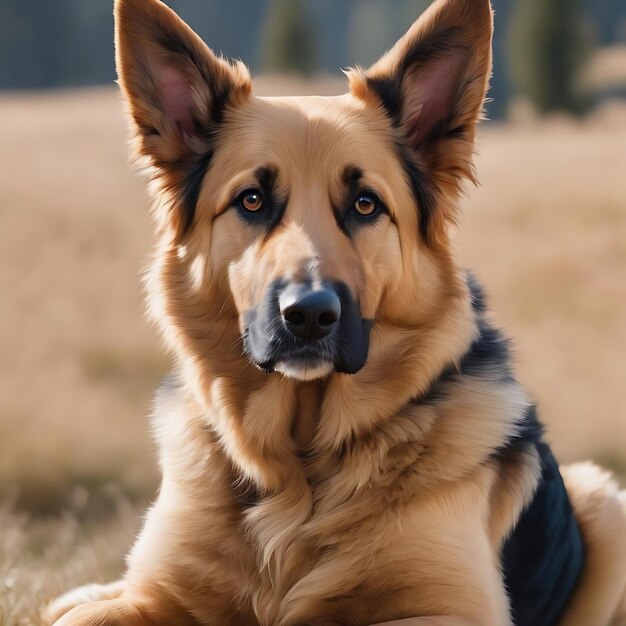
{"type": "Point", "coordinates": [543, 558]}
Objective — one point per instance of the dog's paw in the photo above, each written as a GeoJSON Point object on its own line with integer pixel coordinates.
{"type": "Point", "coordinates": [82, 595]}
{"type": "Point", "coordinates": [117, 612]}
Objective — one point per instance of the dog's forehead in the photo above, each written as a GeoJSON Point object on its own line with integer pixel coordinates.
{"type": "Point", "coordinates": [310, 107]}
{"type": "Point", "coordinates": [308, 117]}
{"type": "Point", "coordinates": [337, 130]}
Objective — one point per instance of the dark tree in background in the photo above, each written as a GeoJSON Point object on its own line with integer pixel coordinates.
{"type": "Point", "coordinates": [289, 38]}
{"type": "Point", "coordinates": [548, 50]}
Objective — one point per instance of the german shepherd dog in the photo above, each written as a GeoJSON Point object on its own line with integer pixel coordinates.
{"type": "Point", "coordinates": [343, 440]}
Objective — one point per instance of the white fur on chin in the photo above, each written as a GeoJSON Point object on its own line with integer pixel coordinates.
{"type": "Point", "coordinates": [290, 370]}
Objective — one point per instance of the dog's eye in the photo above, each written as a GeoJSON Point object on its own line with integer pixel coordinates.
{"type": "Point", "coordinates": [366, 204]}
{"type": "Point", "coordinates": [251, 200]}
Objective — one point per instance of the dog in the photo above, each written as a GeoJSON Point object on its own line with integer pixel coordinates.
{"type": "Point", "coordinates": [343, 439]}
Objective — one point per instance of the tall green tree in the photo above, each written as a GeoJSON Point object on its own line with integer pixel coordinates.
{"type": "Point", "coordinates": [289, 38]}
{"type": "Point", "coordinates": [548, 49]}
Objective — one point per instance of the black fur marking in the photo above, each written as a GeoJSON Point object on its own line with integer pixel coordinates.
{"type": "Point", "coordinates": [352, 178]}
{"type": "Point", "coordinates": [477, 294]}
{"type": "Point", "coordinates": [191, 189]}
{"type": "Point", "coordinates": [422, 190]}
{"type": "Point", "coordinates": [390, 95]}
{"type": "Point", "coordinates": [544, 556]}
{"type": "Point", "coordinates": [529, 433]}
{"type": "Point", "coordinates": [267, 177]}
{"type": "Point", "coordinates": [489, 355]}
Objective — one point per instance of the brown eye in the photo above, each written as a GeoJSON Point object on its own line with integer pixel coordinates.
{"type": "Point", "coordinates": [365, 205]}
{"type": "Point", "coordinates": [252, 201]}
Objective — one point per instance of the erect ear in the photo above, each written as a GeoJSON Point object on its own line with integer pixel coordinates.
{"type": "Point", "coordinates": [433, 84]}
{"type": "Point", "coordinates": [177, 91]}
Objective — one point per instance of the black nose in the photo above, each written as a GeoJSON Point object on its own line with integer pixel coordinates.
{"type": "Point", "coordinates": [309, 314]}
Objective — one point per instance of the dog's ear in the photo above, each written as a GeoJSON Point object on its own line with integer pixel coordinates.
{"type": "Point", "coordinates": [177, 91]}
{"type": "Point", "coordinates": [432, 84]}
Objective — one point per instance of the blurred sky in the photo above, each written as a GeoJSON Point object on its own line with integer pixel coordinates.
{"type": "Point", "coordinates": [70, 42]}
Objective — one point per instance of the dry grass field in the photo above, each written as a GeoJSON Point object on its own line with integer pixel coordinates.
{"type": "Point", "coordinates": [546, 233]}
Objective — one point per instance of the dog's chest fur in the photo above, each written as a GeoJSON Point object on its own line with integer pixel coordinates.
{"type": "Point", "coordinates": [324, 550]}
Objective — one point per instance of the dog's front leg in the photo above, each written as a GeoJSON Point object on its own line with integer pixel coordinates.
{"type": "Point", "coordinates": [112, 605]}
{"type": "Point", "coordinates": [82, 595]}
{"type": "Point", "coordinates": [116, 612]}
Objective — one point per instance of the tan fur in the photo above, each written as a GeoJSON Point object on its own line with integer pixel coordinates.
{"type": "Point", "coordinates": [337, 501]}
{"type": "Point", "coordinates": [601, 512]}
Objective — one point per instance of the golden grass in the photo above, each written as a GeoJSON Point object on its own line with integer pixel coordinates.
{"type": "Point", "coordinates": [546, 233]}
{"type": "Point", "coordinates": [42, 558]}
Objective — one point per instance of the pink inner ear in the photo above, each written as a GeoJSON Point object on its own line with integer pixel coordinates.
{"type": "Point", "coordinates": [429, 94]}
{"type": "Point", "coordinates": [175, 93]}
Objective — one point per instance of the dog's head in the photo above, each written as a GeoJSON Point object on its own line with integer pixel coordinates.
{"type": "Point", "coordinates": [298, 224]}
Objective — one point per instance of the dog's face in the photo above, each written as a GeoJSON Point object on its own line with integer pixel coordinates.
{"type": "Point", "coordinates": [309, 195]}
{"type": "Point", "coordinates": [308, 220]}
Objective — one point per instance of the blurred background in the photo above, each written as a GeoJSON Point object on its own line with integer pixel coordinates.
{"type": "Point", "coordinates": [545, 232]}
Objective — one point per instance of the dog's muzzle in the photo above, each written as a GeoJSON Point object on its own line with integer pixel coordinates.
{"type": "Point", "coordinates": [306, 331]}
